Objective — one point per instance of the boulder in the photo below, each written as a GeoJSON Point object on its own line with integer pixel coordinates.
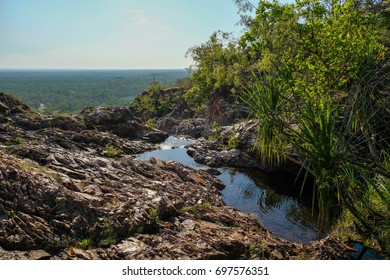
{"type": "Point", "coordinates": [213, 154]}
{"type": "Point", "coordinates": [120, 121]}
{"type": "Point", "coordinates": [193, 128]}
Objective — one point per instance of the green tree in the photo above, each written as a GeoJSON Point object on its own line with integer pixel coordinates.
{"type": "Point", "coordinates": [219, 64]}
{"type": "Point", "coordinates": [320, 93]}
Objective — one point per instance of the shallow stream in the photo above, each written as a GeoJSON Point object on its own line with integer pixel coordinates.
{"type": "Point", "coordinates": [254, 192]}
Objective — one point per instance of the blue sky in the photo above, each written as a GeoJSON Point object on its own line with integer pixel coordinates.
{"type": "Point", "coordinates": [108, 34]}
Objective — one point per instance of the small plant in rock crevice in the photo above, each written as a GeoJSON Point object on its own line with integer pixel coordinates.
{"type": "Point", "coordinates": [152, 224]}
{"type": "Point", "coordinates": [153, 216]}
{"type": "Point", "coordinates": [84, 244]}
{"type": "Point", "coordinates": [112, 151]}
{"type": "Point", "coordinates": [150, 124]}
{"type": "Point", "coordinates": [232, 141]}
{"type": "Point", "coordinates": [108, 233]}
{"type": "Point", "coordinates": [216, 132]}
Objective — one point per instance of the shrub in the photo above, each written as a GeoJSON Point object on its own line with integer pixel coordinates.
{"type": "Point", "coordinates": [112, 151]}
{"type": "Point", "coordinates": [216, 132]}
{"type": "Point", "coordinates": [84, 244]}
{"type": "Point", "coordinates": [233, 141]}
{"type": "Point", "coordinates": [150, 124]}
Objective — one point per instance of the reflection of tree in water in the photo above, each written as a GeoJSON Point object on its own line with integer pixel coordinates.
{"type": "Point", "coordinates": [278, 210]}
{"type": "Point", "coordinates": [242, 182]}
{"type": "Point", "coordinates": [274, 200]}
{"type": "Point", "coordinates": [257, 186]}
{"type": "Point", "coordinates": [268, 199]}
{"type": "Point", "coordinates": [273, 197]}
{"type": "Point", "coordinates": [254, 184]}
{"type": "Point", "coordinates": [279, 187]}
{"type": "Point", "coordinates": [280, 182]}
{"type": "Point", "coordinates": [248, 193]}
{"type": "Point", "coordinates": [232, 173]}
{"type": "Point", "coordinates": [304, 217]}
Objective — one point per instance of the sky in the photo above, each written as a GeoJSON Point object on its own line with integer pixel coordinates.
{"type": "Point", "coordinates": [108, 34]}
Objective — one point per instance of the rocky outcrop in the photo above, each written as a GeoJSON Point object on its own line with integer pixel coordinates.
{"type": "Point", "coordinates": [71, 190]}
{"type": "Point", "coordinates": [225, 108]}
{"type": "Point", "coordinates": [122, 122]}
{"type": "Point", "coordinates": [213, 154]}
{"type": "Point", "coordinates": [193, 128]}
{"type": "Point", "coordinates": [169, 112]}
{"type": "Point", "coordinates": [157, 102]}
{"type": "Point", "coordinates": [11, 105]}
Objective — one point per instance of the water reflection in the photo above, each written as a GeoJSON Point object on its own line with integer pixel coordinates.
{"type": "Point", "coordinates": [270, 199]}
{"type": "Point", "coordinates": [364, 253]}
{"type": "Point", "coordinates": [285, 216]}
{"type": "Point", "coordinates": [172, 149]}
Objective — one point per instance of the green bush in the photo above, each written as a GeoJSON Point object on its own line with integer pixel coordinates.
{"type": "Point", "coordinates": [232, 141]}
{"type": "Point", "coordinates": [112, 151]}
{"type": "Point", "coordinates": [84, 244]}
{"type": "Point", "coordinates": [150, 124]}
{"type": "Point", "coordinates": [216, 133]}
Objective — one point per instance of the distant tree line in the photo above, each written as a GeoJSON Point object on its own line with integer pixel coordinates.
{"type": "Point", "coordinates": [70, 91]}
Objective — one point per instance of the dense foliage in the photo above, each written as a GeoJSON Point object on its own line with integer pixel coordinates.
{"type": "Point", "coordinates": [219, 64]}
{"type": "Point", "coordinates": [316, 75]}
{"type": "Point", "coordinates": [64, 91]}
{"type": "Point", "coordinates": [158, 101]}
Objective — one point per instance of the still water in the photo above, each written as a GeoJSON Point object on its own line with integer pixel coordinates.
{"type": "Point", "coordinates": [254, 192]}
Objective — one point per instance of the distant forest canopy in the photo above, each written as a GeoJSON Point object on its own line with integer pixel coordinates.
{"type": "Point", "coordinates": [68, 91]}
